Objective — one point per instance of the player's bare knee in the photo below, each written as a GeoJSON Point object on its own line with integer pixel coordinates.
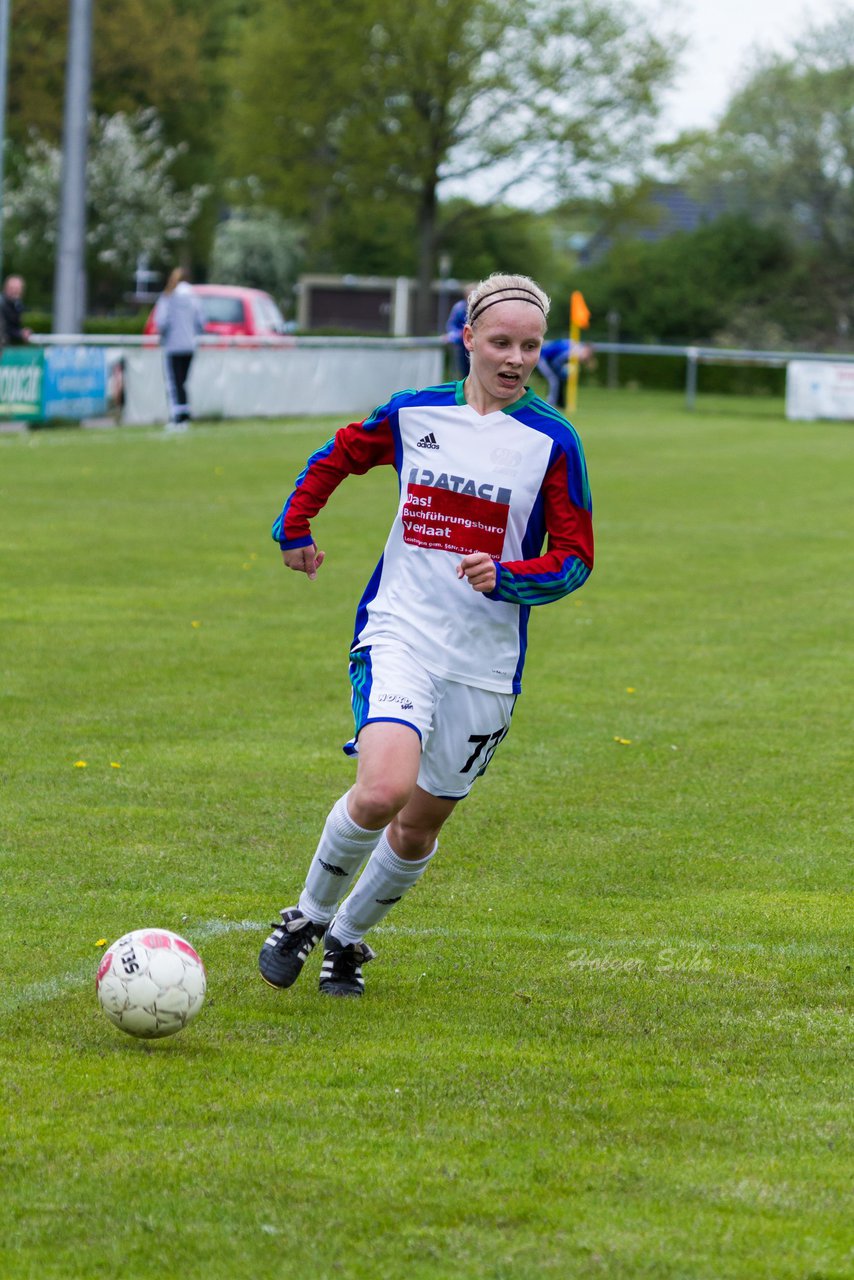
{"type": "Point", "coordinates": [411, 839]}
{"type": "Point", "coordinates": [373, 804]}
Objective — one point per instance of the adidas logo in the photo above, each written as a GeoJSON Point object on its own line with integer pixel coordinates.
{"type": "Point", "coordinates": [331, 868]}
{"type": "Point", "coordinates": [427, 442]}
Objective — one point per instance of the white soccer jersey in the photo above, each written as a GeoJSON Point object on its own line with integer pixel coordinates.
{"type": "Point", "coordinates": [502, 483]}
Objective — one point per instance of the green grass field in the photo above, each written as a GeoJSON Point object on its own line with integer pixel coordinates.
{"type": "Point", "coordinates": [609, 1035]}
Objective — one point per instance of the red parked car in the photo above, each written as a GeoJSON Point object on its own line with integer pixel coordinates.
{"type": "Point", "coordinates": [233, 311]}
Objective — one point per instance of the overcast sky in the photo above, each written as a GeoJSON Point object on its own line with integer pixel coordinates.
{"type": "Point", "coordinates": [721, 35]}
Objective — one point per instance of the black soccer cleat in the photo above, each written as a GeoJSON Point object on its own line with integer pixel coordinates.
{"type": "Point", "coordinates": [341, 971]}
{"type": "Point", "coordinates": [288, 946]}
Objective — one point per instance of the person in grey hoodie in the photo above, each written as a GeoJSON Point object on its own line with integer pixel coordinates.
{"type": "Point", "coordinates": [178, 319]}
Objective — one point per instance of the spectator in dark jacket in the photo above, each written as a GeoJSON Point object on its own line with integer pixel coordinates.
{"type": "Point", "coordinates": [12, 312]}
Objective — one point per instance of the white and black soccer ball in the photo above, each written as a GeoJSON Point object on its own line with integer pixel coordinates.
{"type": "Point", "coordinates": [151, 983]}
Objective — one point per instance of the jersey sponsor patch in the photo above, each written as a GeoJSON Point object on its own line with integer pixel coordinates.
{"type": "Point", "coordinates": [459, 484]}
{"type": "Point", "coordinates": [457, 522]}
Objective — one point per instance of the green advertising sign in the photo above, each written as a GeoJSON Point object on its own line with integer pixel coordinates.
{"type": "Point", "coordinates": [21, 382]}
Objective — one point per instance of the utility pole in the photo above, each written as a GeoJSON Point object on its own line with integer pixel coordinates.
{"type": "Point", "coordinates": [69, 282]}
{"type": "Point", "coordinates": [4, 76]}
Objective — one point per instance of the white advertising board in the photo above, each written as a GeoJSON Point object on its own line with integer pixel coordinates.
{"type": "Point", "coordinates": [815, 389]}
{"type": "Point", "coordinates": [280, 382]}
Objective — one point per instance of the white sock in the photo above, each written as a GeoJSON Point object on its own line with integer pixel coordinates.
{"type": "Point", "coordinates": [342, 849]}
{"type": "Point", "coordinates": [384, 881]}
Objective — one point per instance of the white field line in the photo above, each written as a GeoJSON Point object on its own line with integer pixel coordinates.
{"type": "Point", "coordinates": [52, 988]}
{"type": "Point", "coordinates": [597, 945]}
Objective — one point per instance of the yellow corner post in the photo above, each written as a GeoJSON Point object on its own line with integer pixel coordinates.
{"type": "Point", "coordinates": [579, 318]}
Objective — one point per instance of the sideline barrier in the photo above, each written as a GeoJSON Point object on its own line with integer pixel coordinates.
{"type": "Point", "coordinates": [65, 381]}
{"type": "Point", "coordinates": [244, 378]}
{"type": "Point", "coordinates": [298, 380]}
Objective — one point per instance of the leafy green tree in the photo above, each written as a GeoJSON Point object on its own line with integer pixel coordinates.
{"type": "Point", "coordinates": [373, 105]}
{"type": "Point", "coordinates": [161, 54]}
{"type": "Point", "coordinates": [480, 239]}
{"type": "Point", "coordinates": [689, 286]}
{"type": "Point", "coordinates": [784, 151]}
{"type": "Point", "coordinates": [144, 54]}
{"type": "Point", "coordinates": [258, 248]}
{"type": "Point", "coordinates": [475, 238]}
{"type": "Point", "coordinates": [134, 206]}
{"type": "Point", "coordinates": [787, 138]}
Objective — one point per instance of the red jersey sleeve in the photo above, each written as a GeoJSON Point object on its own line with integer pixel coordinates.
{"type": "Point", "coordinates": [353, 450]}
{"type": "Point", "coordinates": [568, 524]}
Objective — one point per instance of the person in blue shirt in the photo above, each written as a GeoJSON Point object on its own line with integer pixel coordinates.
{"type": "Point", "coordinates": [554, 366]}
{"type": "Point", "coordinates": [454, 326]}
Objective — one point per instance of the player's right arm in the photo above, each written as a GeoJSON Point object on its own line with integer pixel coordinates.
{"type": "Point", "coordinates": [353, 450]}
{"type": "Point", "coordinates": [305, 560]}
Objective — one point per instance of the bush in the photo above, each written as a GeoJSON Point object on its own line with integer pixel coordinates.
{"type": "Point", "coordinates": [260, 249]}
{"type": "Point", "coordinates": [687, 287]}
{"type": "Point", "coordinates": [42, 322]}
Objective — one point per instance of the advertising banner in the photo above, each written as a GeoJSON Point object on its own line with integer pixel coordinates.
{"type": "Point", "coordinates": [75, 382]}
{"type": "Point", "coordinates": [815, 389]}
{"type": "Point", "coordinates": [21, 382]}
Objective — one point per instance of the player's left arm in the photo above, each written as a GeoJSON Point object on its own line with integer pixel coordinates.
{"type": "Point", "coordinates": [568, 559]}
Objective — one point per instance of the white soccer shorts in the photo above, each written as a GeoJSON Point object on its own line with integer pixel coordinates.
{"type": "Point", "coordinates": [459, 726]}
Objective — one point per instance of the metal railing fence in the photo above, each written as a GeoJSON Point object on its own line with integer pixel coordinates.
{"type": "Point", "coordinates": [693, 355]}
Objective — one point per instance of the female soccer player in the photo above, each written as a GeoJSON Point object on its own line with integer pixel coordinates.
{"type": "Point", "coordinates": [487, 473]}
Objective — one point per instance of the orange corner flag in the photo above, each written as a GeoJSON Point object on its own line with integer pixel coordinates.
{"type": "Point", "coordinates": [578, 312]}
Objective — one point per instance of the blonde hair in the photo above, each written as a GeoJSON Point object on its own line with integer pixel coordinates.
{"type": "Point", "coordinates": [176, 275]}
{"type": "Point", "coordinates": [505, 288]}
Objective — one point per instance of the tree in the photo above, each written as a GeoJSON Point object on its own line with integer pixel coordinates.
{"type": "Point", "coordinates": [480, 239]}
{"type": "Point", "coordinates": [134, 206]}
{"type": "Point", "coordinates": [258, 248]}
{"type": "Point", "coordinates": [162, 54]}
{"type": "Point", "coordinates": [383, 101]}
{"type": "Point", "coordinates": [144, 52]}
{"type": "Point", "coordinates": [689, 286]}
{"type": "Point", "coordinates": [786, 141]}
{"type": "Point", "coordinates": [784, 151]}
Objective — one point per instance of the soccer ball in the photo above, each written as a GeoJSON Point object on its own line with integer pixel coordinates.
{"type": "Point", "coordinates": [151, 983]}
